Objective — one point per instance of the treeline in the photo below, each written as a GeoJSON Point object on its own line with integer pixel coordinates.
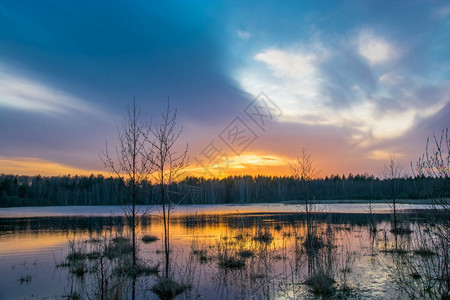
{"type": "Point", "coordinates": [98, 190]}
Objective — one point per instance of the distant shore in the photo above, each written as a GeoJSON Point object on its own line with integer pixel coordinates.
{"type": "Point", "coordinates": [381, 201]}
{"type": "Point", "coordinates": [291, 202]}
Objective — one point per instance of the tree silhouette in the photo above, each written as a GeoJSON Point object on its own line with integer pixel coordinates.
{"type": "Point", "coordinates": [132, 162]}
{"type": "Point", "coordinates": [302, 169]}
{"type": "Point", "coordinates": [168, 165]}
{"type": "Point", "coordinates": [393, 172]}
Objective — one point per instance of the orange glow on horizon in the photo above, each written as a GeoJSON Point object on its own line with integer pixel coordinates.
{"type": "Point", "coordinates": [35, 166]}
{"type": "Point", "coordinates": [250, 163]}
{"type": "Point", "coordinates": [245, 164]}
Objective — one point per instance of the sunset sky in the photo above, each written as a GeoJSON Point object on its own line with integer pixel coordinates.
{"type": "Point", "coordinates": [253, 81]}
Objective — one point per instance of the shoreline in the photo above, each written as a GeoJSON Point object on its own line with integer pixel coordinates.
{"type": "Point", "coordinates": [348, 206]}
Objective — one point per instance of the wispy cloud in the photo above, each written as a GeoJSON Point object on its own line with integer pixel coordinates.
{"type": "Point", "coordinates": [382, 155]}
{"type": "Point", "coordinates": [443, 12]}
{"type": "Point", "coordinates": [289, 64]}
{"type": "Point", "coordinates": [27, 94]}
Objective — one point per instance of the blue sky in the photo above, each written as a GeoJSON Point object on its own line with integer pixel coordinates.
{"type": "Point", "coordinates": [356, 81]}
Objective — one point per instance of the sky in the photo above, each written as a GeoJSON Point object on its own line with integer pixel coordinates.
{"type": "Point", "coordinates": [253, 82]}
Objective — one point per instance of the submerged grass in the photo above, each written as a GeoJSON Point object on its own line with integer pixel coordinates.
{"type": "Point", "coordinates": [398, 251]}
{"type": "Point", "coordinates": [76, 256]}
{"type": "Point", "coordinates": [25, 279]}
{"type": "Point", "coordinates": [321, 283]}
{"type": "Point", "coordinates": [202, 255]}
{"type": "Point", "coordinates": [94, 255]}
{"type": "Point", "coordinates": [167, 288]}
{"type": "Point", "coordinates": [73, 296]}
{"type": "Point", "coordinates": [118, 247]}
{"type": "Point", "coordinates": [313, 243]}
{"type": "Point", "coordinates": [79, 269]}
{"type": "Point", "coordinates": [147, 239]}
{"type": "Point", "coordinates": [424, 252]}
{"type": "Point", "coordinates": [230, 262]}
{"type": "Point", "coordinates": [246, 253]}
{"type": "Point", "coordinates": [264, 237]}
{"type": "Point", "coordinates": [401, 231]}
{"type": "Point", "coordinates": [127, 269]}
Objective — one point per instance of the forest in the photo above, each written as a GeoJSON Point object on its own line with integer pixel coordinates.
{"type": "Point", "coordinates": [99, 190]}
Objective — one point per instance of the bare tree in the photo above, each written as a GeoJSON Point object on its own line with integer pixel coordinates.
{"type": "Point", "coordinates": [424, 272]}
{"type": "Point", "coordinates": [393, 172]}
{"type": "Point", "coordinates": [131, 162]}
{"type": "Point", "coordinates": [169, 165]}
{"type": "Point", "coordinates": [304, 172]}
{"type": "Point", "coordinates": [435, 163]}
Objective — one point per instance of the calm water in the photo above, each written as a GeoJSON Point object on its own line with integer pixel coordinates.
{"type": "Point", "coordinates": [267, 239]}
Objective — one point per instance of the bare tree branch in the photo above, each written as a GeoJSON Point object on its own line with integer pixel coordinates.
{"type": "Point", "coordinates": [132, 163]}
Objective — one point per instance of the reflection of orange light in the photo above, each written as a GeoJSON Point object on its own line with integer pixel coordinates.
{"type": "Point", "coordinates": [30, 242]}
{"type": "Point", "coordinates": [186, 235]}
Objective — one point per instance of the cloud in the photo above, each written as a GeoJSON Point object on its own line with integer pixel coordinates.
{"type": "Point", "coordinates": [289, 75]}
{"type": "Point", "coordinates": [361, 88]}
{"type": "Point", "coordinates": [27, 94]}
{"type": "Point", "coordinates": [244, 35]}
{"type": "Point", "coordinates": [443, 12]}
{"type": "Point", "coordinates": [382, 155]}
{"type": "Point", "coordinates": [289, 64]}
{"type": "Point", "coordinates": [374, 48]}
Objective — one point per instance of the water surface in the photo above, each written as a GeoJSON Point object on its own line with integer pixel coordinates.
{"type": "Point", "coordinates": [33, 241]}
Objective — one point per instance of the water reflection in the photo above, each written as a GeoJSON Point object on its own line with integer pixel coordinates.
{"type": "Point", "coordinates": [224, 256]}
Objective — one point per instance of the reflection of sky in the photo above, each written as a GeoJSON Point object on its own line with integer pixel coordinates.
{"type": "Point", "coordinates": [356, 81]}
{"type": "Point", "coordinates": [33, 251]}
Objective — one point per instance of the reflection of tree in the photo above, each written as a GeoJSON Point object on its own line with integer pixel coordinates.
{"type": "Point", "coordinates": [102, 268]}
{"type": "Point", "coordinates": [245, 264]}
{"type": "Point", "coordinates": [169, 165]}
{"type": "Point", "coordinates": [321, 260]}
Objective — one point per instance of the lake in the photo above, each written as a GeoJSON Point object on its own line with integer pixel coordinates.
{"type": "Point", "coordinates": [217, 251]}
